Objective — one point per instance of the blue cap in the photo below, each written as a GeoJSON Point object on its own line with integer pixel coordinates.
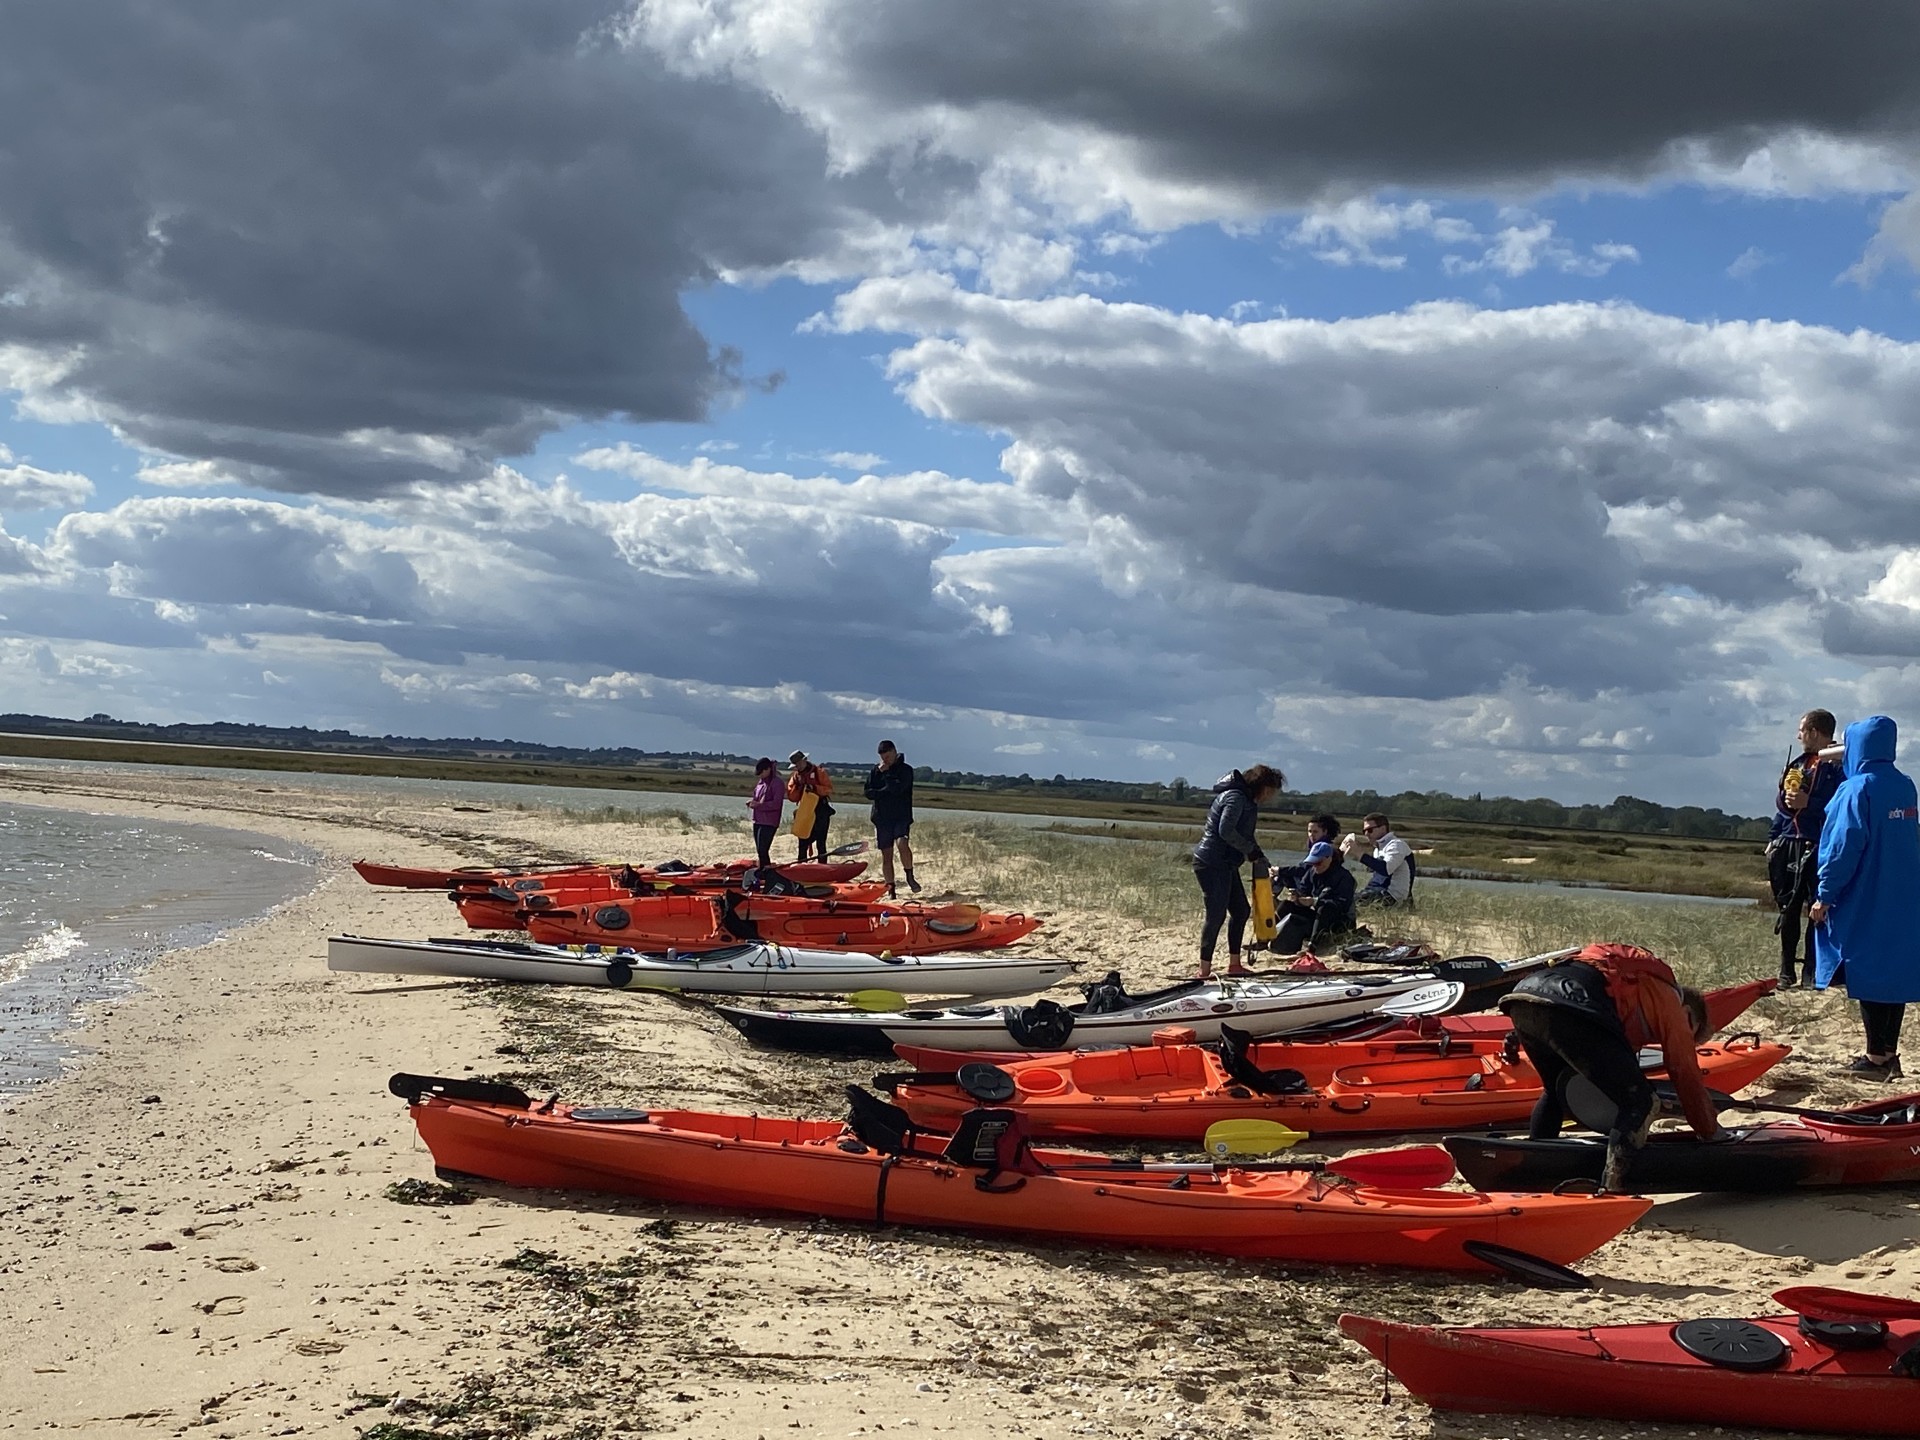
{"type": "Point", "coordinates": [1319, 851]}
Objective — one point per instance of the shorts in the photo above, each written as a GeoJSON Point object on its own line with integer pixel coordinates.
{"type": "Point", "coordinates": [887, 832]}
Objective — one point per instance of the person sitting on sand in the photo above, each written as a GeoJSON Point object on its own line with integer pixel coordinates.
{"type": "Point", "coordinates": [1391, 862]}
{"type": "Point", "coordinates": [1590, 1016]}
{"type": "Point", "coordinates": [1321, 905]}
{"type": "Point", "coordinates": [1225, 845]}
{"type": "Point", "coordinates": [1866, 902]}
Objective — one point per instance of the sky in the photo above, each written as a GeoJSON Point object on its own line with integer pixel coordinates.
{"type": "Point", "coordinates": [1496, 396]}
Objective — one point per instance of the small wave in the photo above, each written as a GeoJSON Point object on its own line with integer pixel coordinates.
{"type": "Point", "coordinates": [48, 945]}
{"type": "Point", "coordinates": [280, 859]}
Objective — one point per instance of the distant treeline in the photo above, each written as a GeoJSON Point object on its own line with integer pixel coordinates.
{"type": "Point", "coordinates": [1626, 813]}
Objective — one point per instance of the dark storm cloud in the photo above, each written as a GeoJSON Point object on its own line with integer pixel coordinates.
{"type": "Point", "coordinates": [1292, 100]}
{"type": "Point", "coordinates": [337, 247]}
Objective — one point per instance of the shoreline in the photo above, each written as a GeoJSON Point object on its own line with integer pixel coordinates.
{"type": "Point", "coordinates": [202, 1239]}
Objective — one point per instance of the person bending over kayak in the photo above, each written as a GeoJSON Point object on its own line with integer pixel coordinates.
{"type": "Point", "coordinates": [1866, 903]}
{"type": "Point", "coordinates": [1591, 1015]}
{"type": "Point", "coordinates": [1323, 899]}
{"type": "Point", "coordinates": [1225, 845]}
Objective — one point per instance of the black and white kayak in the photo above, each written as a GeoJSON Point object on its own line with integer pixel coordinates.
{"type": "Point", "coordinates": [1260, 1008]}
{"type": "Point", "coordinates": [735, 970]}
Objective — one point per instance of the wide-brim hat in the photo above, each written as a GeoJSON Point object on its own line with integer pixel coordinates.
{"type": "Point", "coordinates": [797, 757]}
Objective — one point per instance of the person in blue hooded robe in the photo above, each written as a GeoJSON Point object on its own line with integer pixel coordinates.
{"type": "Point", "coordinates": [1866, 906]}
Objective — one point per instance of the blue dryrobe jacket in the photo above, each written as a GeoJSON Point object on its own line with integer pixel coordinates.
{"type": "Point", "coordinates": [1870, 874]}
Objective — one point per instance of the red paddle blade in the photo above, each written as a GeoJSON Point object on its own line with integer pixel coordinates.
{"type": "Point", "coordinates": [1822, 1302]}
{"type": "Point", "coordinates": [1415, 1167]}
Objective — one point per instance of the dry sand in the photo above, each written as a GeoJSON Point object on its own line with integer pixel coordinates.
{"type": "Point", "coordinates": [199, 1237]}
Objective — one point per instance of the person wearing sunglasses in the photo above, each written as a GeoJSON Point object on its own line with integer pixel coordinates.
{"type": "Point", "coordinates": [1391, 862]}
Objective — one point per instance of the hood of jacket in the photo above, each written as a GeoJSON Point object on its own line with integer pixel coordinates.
{"type": "Point", "coordinates": [1870, 741]}
{"type": "Point", "coordinates": [1234, 780]}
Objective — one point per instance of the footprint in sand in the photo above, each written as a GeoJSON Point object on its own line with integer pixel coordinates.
{"type": "Point", "coordinates": [225, 1305]}
{"type": "Point", "coordinates": [232, 1264]}
{"type": "Point", "coordinates": [319, 1345]}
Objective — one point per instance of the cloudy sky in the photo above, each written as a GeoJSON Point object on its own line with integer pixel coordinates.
{"type": "Point", "coordinates": [1504, 397]}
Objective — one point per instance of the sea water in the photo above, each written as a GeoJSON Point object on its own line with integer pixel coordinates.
{"type": "Point", "coordinates": [87, 901]}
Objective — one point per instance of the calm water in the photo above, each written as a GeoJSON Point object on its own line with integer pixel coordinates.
{"type": "Point", "coordinates": [87, 901]}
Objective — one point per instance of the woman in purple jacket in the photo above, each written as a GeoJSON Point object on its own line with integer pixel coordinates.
{"type": "Point", "coordinates": [769, 797]}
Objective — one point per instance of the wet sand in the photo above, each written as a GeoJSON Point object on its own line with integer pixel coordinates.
{"type": "Point", "coordinates": [199, 1234]}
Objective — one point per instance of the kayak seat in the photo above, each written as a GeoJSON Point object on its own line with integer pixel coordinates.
{"type": "Point", "coordinates": [1107, 995]}
{"type": "Point", "coordinates": [1242, 1071]}
{"type": "Point", "coordinates": [882, 1126]}
{"type": "Point", "coordinates": [1043, 1025]}
{"type": "Point", "coordinates": [996, 1143]}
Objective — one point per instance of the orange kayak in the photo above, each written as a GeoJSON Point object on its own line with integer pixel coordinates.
{"type": "Point", "coordinates": [696, 922]}
{"type": "Point", "coordinates": [501, 907]}
{"type": "Point", "coordinates": [1175, 1091]}
{"type": "Point", "coordinates": [408, 877]}
{"type": "Point", "coordinates": [877, 1168]}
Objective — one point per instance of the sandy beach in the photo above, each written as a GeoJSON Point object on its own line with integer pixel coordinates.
{"type": "Point", "coordinates": [199, 1233]}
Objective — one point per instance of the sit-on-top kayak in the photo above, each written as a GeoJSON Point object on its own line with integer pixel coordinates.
{"type": "Point", "coordinates": [1873, 1144]}
{"type": "Point", "coordinates": [1842, 1376]}
{"type": "Point", "coordinates": [506, 907]}
{"type": "Point", "coordinates": [735, 970]}
{"type": "Point", "coordinates": [878, 1168]}
{"type": "Point", "coordinates": [703, 922]}
{"type": "Point", "coordinates": [1261, 1007]}
{"type": "Point", "coordinates": [1175, 1091]}
{"type": "Point", "coordinates": [407, 877]}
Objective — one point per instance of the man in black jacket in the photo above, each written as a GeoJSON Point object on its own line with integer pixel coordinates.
{"type": "Point", "coordinates": [890, 787]}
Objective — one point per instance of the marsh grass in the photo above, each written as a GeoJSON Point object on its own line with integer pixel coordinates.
{"type": "Point", "coordinates": [1150, 881]}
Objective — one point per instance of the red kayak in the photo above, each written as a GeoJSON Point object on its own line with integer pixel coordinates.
{"type": "Point", "coordinates": [877, 1168]}
{"type": "Point", "coordinates": [502, 907]}
{"type": "Point", "coordinates": [1843, 1374]}
{"type": "Point", "coordinates": [710, 922]}
{"type": "Point", "coordinates": [404, 877]}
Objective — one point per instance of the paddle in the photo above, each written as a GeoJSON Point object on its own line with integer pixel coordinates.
{"type": "Point", "coordinates": [1419, 1167]}
{"type": "Point", "coordinates": [1822, 1302]}
{"type": "Point", "coordinates": [1248, 1137]}
{"type": "Point", "coordinates": [852, 847]}
{"type": "Point", "coordinates": [1832, 1117]}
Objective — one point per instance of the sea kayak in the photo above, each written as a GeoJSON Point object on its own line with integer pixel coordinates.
{"type": "Point", "coordinates": [506, 907]}
{"type": "Point", "coordinates": [877, 1168]}
{"type": "Point", "coordinates": [1261, 1007]}
{"type": "Point", "coordinates": [704, 922]}
{"type": "Point", "coordinates": [406, 877]}
{"type": "Point", "coordinates": [1873, 1144]}
{"type": "Point", "coordinates": [734, 970]}
{"type": "Point", "coordinates": [1779, 1372]}
{"type": "Point", "coordinates": [1175, 1091]}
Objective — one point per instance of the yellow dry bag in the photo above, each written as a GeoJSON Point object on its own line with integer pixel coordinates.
{"type": "Point", "coordinates": [802, 827]}
{"type": "Point", "coordinates": [1266, 918]}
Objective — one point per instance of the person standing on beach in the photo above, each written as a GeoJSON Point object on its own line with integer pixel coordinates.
{"type": "Point", "coordinates": [890, 787]}
{"type": "Point", "coordinates": [1391, 862]}
{"type": "Point", "coordinates": [1866, 901]}
{"type": "Point", "coordinates": [807, 778]}
{"type": "Point", "coordinates": [1800, 803]}
{"type": "Point", "coordinates": [765, 804]}
{"type": "Point", "coordinates": [1227, 843]}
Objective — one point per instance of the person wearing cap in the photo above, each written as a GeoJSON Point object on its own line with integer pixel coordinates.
{"type": "Point", "coordinates": [1321, 904]}
{"type": "Point", "coordinates": [765, 804]}
{"type": "Point", "coordinates": [890, 787]}
{"type": "Point", "coordinates": [808, 778]}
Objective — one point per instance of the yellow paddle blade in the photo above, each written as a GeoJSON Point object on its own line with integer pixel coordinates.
{"type": "Point", "coordinates": [880, 1000]}
{"type": "Point", "coordinates": [1249, 1137]}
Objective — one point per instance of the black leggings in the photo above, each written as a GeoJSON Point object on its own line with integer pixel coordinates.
{"type": "Point", "coordinates": [1301, 925]}
{"type": "Point", "coordinates": [1562, 1042]}
{"type": "Point", "coordinates": [1785, 869]}
{"type": "Point", "coordinates": [1882, 1020]}
{"type": "Point", "coordinates": [1226, 901]}
{"type": "Point", "coordinates": [763, 843]}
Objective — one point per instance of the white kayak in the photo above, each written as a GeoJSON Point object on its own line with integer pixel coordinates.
{"type": "Point", "coordinates": [1261, 1008]}
{"type": "Point", "coordinates": [736, 970]}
